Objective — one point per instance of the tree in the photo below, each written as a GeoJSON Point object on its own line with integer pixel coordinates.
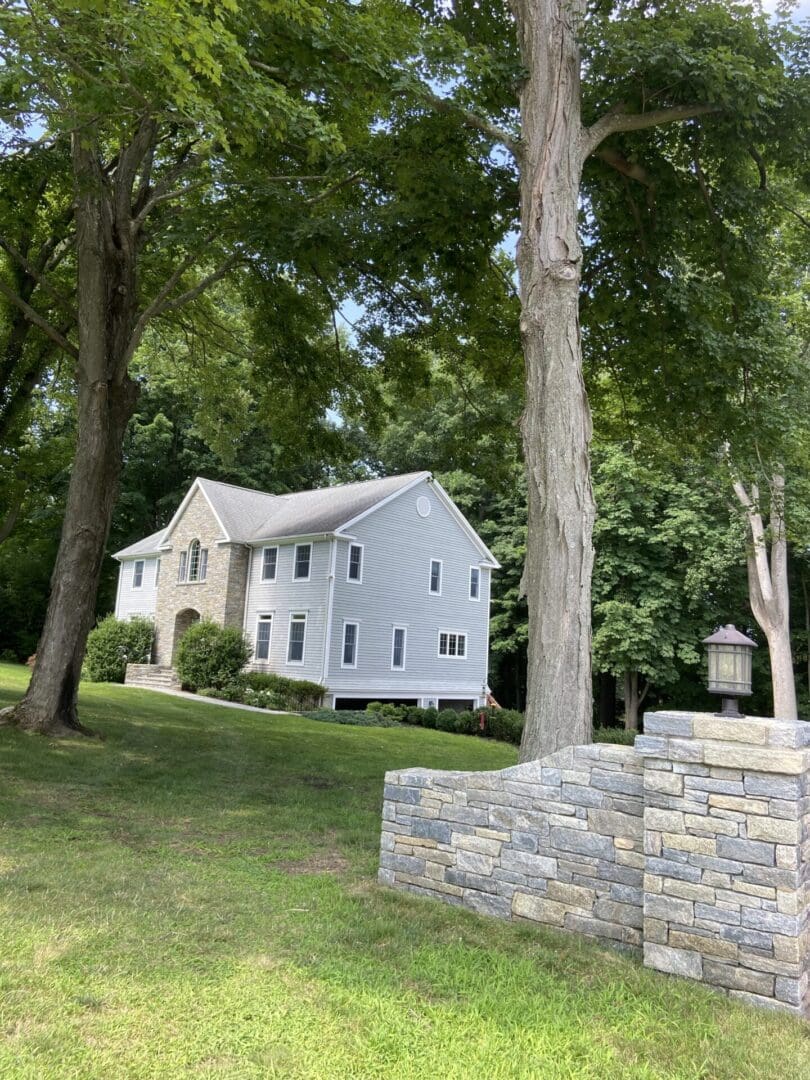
{"type": "Point", "coordinates": [657, 75]}
{"type": "Point", "coordinates": [170, 118]}
{"type": "Point", "coordinates": [668, 554]}
{"type": "Point", "coordinates": [768, 587]}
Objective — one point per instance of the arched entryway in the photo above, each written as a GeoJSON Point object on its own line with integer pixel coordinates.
{"type": "Point", "coordinates": [183, 620]}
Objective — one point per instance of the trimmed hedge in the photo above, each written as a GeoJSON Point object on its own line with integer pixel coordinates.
{"type": "Point", "coordinates": [210, 655]}
{"type": "Point", "coordinates": [505, 725]}
{"type": "Point", "coordinates": [113, 644]}
{"type": "Point", "coordinates": [265, 690]}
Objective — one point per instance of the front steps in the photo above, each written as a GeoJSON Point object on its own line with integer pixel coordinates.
{"type": "Point", "coordinates": [152, 677]}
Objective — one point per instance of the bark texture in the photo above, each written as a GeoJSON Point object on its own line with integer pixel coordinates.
{"type": "Point", "coordinates": [556, 423]}
{"type": "Point", "coordinates": [768, 591]}
{"type": "Point", "coordinates": [106, 251]}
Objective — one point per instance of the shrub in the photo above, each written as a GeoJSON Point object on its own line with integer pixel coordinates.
{"type": "Point", "coordinates": [446, 720]}
{"type": "Point", "coordinates": [113, 644]}
{"type": "Point", "coordinates": [614, 735]}
{"type": "Point", "coordinates": [286, 693]}
{"type": "Point", "coordinates": [504, 724]}
{"type": "Point", "coordinates": [430, 717]}
{"type": "Point", "coordinates": [351, 716]}
{"type": "Point", "coordinates": [210, 655]}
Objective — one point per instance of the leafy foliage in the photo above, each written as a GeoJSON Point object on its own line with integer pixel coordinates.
{"type": "Point", "coordinates": [211, 656]}
{"type": "Point", "coordinates": [113, 644]}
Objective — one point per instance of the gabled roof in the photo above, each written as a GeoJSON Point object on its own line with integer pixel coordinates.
{"type": "Point", "coordinates": [240, 511]}
{"type": "Point", "coordinates": [327, 509]}
{"type": "Point", "coordinates": [150, 545]}
{"type": "Point", "coordinates": [249, 516]}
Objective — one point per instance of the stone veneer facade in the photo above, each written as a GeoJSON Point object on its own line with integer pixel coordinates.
{"type": "Point", "coordinates": [220, 597]}
{"type": "Point", "coordinates": [693, 845]}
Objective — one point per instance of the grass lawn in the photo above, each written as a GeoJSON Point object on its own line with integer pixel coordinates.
{"type": "Point", "coordinates": [194, 896]}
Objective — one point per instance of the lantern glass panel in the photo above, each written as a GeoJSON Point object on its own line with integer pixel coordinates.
{"type": "Point", "coordinates": [729, 669]}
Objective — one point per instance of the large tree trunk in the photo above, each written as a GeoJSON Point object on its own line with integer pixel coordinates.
{"type": "Point", "coordinates": [768, 590]}
{"type": "Point", "coordinates": [556, 422]}
{"type": "Point", "coordinates": [106, 262]}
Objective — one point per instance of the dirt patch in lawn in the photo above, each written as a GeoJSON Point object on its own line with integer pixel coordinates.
{"type": "Point", "coordinates": [322, 862]}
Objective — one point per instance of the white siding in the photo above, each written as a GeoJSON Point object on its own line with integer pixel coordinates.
{"type": "Point", "coordinates": [283, 597]}
{"type": "Point", "coordinates": [130, 601]}
{"type": "Point", "coordinates": [398, 548]}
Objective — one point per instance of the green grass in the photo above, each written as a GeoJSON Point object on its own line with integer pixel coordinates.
{"type": "Point", "coordinates": [194, 896]}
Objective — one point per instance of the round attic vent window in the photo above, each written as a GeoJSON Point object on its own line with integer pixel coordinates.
{"type": "Point", "coordinates": [423, 506]}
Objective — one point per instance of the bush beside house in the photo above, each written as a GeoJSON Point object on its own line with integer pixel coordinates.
{"type": "Point", "coordinates": [113, 644]}
{"type": "Point", "coordinates": [210, 656]}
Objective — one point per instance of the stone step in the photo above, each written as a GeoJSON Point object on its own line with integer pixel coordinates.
{"type": "Point", "coordinates": [151, 675]}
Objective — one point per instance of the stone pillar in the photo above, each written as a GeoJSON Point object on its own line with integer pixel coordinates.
{"type": "Point", "coordinates": [727, 854]}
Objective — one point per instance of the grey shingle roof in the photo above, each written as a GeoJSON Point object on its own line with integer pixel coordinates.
{"type": "Point", "coordinates": [326, 509]}
{"type": "Point", "coordinates": [248, 515]}
{"type": "Point", "coordinates": [241, 510]}
{"type": "Point", "coordinates": [150, 545]}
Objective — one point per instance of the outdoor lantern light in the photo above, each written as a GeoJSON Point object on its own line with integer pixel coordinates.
{"type": "Point", "coordinates": [729, 654]}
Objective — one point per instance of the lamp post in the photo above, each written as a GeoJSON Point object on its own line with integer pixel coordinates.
{"type": "Point", "coordinates": [729, 654]}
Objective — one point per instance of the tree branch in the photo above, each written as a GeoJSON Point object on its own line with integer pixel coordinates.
{"type": "Point", "coordinates": [627, 168]}
{"type": "Point", "coordinates": [161, 303]}
{"type": "Point", "coordinates": [32, 272]}
{"type": "Point", "coordinates": [617, 119]}
{"type": "Point", "coordinates": [473, 120]}
{"type": "Point", "coordinates": [35, 318]}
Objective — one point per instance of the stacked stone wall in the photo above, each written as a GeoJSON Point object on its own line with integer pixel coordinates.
{"type": "Point", "coordinates": [558, 841]}
{"type": "Point", "coordinates": [694, 844]}
{"type": "Point", "coordinates": [727, 829]}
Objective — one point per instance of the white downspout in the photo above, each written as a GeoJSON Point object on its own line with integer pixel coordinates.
{"type": "Point", "coordinates": [329, 601]}
{"type": "Point", "coordinates": [247, 593]}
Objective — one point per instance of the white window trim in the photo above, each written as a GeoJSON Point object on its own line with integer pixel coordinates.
{"type": "Point", "coordinates": [438, 592]}
{"type": "Point", "coordinates": [268, 617]}
{"type": "Point", "coordinates": [157, 572]}
{"type": "Point", "coordinates": [458, 633]}
{"type": "Point", "coordinates": [356, 625]}
{"type": "Point", "coordinates": [404, 630]}
{"type": "Point", "coordinates": [295, 561]}
{"type": "Point", "coordinates": [196, 577]}
{"type": "Point", "coordinates": [351, 580]}
{"type": "Point", "coordinates": [143, 571]}
{"type": "Point", "coordinates": [182, 568]}
{"type": "Point", "coordinates": [297, 616]}
{"type": "Point", "coordinates": [272, 547]}
{"type": "Point", "coordinates": [475, 599]}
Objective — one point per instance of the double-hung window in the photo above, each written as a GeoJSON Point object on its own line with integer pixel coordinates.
{"type": "Point", "coordinates": [264, 631]}
{"type": "Point", "coordinates": [269, 563]}
{"type": "Point", "coordinates": [475, 583]}
{"type": "Point", "coordinates": [398, 648]}
{"type": "Point", "coordinates": [137, 574]}
{"type": "Point", "coordinates": [355, 570]}
{"type": "Point", "coordinates": [351, 632]}
{"type": "Point", "coordinates": [452, 644]}
{"type": "Point", "coordinates": [303, 557]}
{"type": "Point", "coordinates": [436, 576]}
{"type": "Point", "coordinates": [296, 638]}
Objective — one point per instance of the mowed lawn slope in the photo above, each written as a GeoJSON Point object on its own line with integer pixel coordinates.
{"type": "Point", "coordinates": [194, 896]}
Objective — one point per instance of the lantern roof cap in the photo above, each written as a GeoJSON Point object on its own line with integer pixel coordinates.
{"type": "Point", "coordinates": [729, 635]}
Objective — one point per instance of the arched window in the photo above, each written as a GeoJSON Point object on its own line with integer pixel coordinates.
{"type": "Point", "coordinates": [194, 560]}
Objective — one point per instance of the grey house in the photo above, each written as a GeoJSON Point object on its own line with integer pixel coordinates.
{"type": "Point", "coordinates": [378, 590]}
